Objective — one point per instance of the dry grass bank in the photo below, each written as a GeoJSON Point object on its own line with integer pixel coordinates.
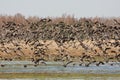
{"type": "Point", "coordinates": [71, 48]}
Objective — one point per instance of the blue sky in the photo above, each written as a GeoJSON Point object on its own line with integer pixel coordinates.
{"type": "Point", "coordinates": [54, 8]}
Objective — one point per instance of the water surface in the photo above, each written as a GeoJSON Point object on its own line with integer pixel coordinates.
{"type": "Point", "coordinates": [15, 70]}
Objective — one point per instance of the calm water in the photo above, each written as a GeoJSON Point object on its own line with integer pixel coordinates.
{"type": "Point", "coordinates": [55, 70]}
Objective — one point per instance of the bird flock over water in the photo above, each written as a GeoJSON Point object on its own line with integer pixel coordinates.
{"type": "Point", "coordinates": [16, 39]}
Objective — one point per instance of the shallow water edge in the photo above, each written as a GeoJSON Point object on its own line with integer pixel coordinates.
{"type": "Point", "coordinates": [53, 75]}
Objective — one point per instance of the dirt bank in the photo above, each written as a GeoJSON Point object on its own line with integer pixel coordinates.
{"type": "Point", "coordinates": [26, 51]}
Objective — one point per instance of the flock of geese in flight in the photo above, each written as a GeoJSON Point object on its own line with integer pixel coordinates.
{"type": "Point", "coordinates": [98, 33]}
